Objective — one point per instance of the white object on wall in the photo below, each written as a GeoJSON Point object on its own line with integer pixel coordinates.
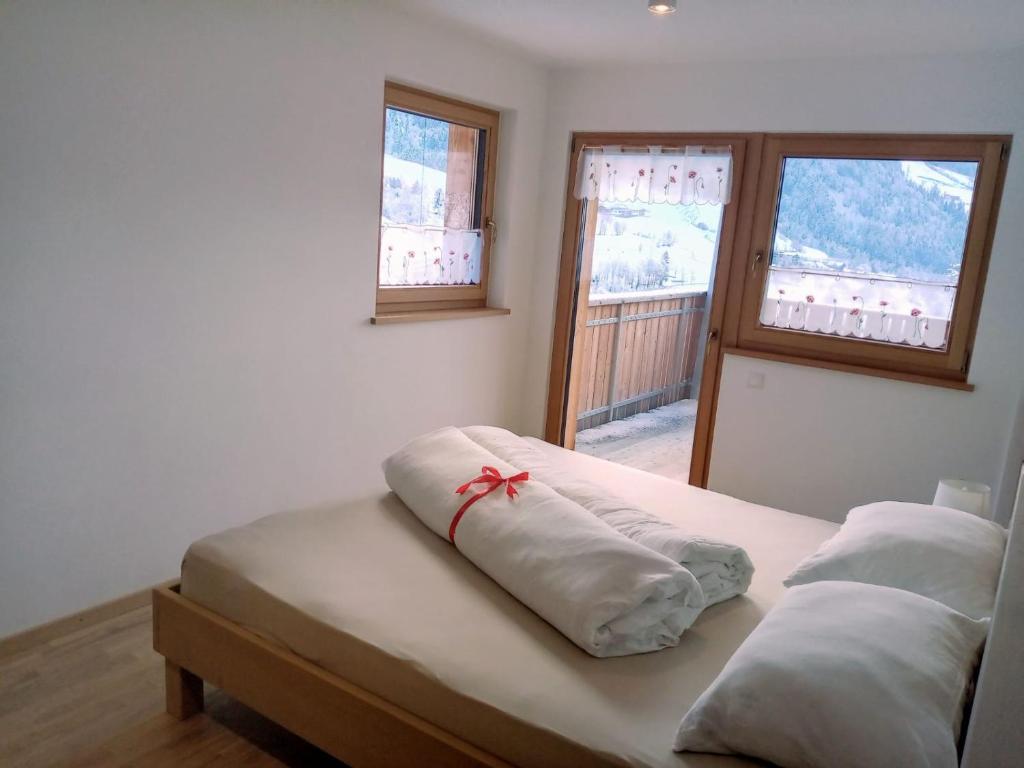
{"type": "Point", "coordinates": [964, 495]}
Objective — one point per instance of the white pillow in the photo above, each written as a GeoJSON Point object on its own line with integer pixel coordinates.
{"type": "Point", "coordinates": [942, 553]}
{"type": "Point", "coordinates": [842, 674]}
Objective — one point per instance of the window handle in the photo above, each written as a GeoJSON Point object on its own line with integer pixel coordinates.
{"type": "Point", "coordinates": [758, 258]}
{"type": "Point", "coordinates": [710, 339]}
{"type": "Point", "coordinates": [492, 230]}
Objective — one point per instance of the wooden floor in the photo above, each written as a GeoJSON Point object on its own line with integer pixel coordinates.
{"type": "Point", "coordinates": [96, 698]}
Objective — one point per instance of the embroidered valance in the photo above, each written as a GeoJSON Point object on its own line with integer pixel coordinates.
{"type": "Point", "coordinates": [693, 175]}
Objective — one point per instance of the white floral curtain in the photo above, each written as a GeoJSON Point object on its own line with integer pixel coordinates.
{"type": "Point", "coordinates": [694, 175]}
{"type": "Point", "coordinates": [912, 328]}
{"type": "Point", "coordinates": [910, 312]}
{"type": "Point", "coordinates": [427, 255]}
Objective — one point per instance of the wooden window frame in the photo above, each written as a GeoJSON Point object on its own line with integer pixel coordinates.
{"type": "Point", "coordinates": [398, 304]}
{"type": "Point", "coordinates": [948, 367]}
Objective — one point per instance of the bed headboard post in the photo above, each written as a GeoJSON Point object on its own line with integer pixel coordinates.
{"type": "Point", "coordinates": [995, 737]}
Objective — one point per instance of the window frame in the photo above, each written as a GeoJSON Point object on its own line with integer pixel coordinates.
{"type": "Point", "coordinates": [400, 302]}
{"type": "Point", "coordinates": [947, 367]}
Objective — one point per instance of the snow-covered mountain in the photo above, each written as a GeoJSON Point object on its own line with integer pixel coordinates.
{"type": "Point", "coordinates": [947, 181]}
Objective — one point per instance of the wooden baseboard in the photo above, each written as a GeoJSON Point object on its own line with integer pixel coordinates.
{"type": "Point", "coordinates": [65, 625]}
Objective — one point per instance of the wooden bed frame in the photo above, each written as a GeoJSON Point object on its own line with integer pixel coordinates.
{"type": "Point", "coordinates": [362, 729]}
{"type": "Point", "coordinates": [344, 720]}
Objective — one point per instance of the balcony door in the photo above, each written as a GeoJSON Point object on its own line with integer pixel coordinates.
{"type": "Point", "coordinates": [650, 224]}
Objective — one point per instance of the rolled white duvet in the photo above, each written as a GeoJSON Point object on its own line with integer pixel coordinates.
{"type": "Point", "coordinates": [724, 570]}
{"type": "Point", "coordinates": [606, 593]}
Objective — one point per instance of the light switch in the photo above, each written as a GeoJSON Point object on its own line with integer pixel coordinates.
{"type": "Point", "coordinates": [755, 380]}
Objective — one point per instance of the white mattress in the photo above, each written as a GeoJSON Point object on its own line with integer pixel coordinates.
{"type": "Point", "coordinates": [367, 592]}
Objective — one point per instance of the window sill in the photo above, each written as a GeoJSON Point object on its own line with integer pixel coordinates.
{"type": "Point", "coordinates": [913, 378]}
{"type": "Point", "coordinates": [422, 315]}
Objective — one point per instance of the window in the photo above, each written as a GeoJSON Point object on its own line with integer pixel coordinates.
{"type": "Point", "coordinates": [437, 194]}
{"type": "Point", "coordinates": [871, 251]}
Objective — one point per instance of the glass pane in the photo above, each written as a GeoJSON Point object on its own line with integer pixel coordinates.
{"type": "Point", "coordinates": [642, 349]}
{"type": "Point", "coordinates": [869, 249]}
{"type": "Point", "coordinates": [654, 247]}
{"type": "Point", "coordinates": [430, 228]}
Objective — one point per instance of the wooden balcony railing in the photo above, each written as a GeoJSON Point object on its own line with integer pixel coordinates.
{"type": "Point", "coordinates": [639, 352]}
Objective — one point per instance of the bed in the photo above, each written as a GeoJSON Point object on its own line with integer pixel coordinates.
{"type": "Point", "coordinates": [362, 631]}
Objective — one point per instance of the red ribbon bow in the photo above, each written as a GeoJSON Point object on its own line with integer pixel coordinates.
{"type": "Point", "coordinates": [493, 479]}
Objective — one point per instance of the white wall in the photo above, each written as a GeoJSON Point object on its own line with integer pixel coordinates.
{"type": "Point", "coordinates": [188, 205]}
{"type": "Point", "coordinates": [819, 442]}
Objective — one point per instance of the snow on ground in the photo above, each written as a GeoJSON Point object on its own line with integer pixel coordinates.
{"type": "Point", "coordinates": [690, 256]}
{"type": "Point", "coordinates": [409, 173]}
{"type": "Point", "coordinates": [948, 182]}
{"type": "Point", "coordinates": [658, 441]}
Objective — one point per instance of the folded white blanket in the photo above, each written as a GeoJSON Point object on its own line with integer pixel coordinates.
{"type": "Point", "coordinates": [723, 570]}
{"type": "Point", "coordinates": [609, 595]}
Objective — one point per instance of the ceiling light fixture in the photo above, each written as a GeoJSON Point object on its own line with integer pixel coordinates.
{"type": "Point", "coordinates": [661, 7]}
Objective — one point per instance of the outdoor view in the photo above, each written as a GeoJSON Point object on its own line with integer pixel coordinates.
{"type": "Point", "coordinates": [862, 248]}
{"type": "Point", "coordinates": [654, 247]}
{"type": "Point", "coordinates": [427, 234]}
{"type": "Point", "coordinates": [869, 248]}
{"type": "Point", "coordinates": [651, 269]}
